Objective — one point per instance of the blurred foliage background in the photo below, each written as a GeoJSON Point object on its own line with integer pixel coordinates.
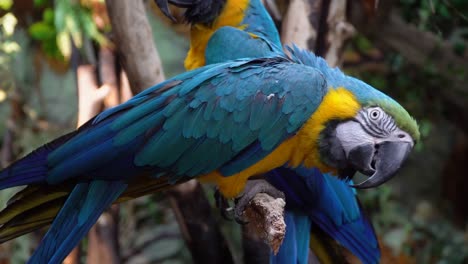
{"type": "Point", "coordinates": [421, 216]}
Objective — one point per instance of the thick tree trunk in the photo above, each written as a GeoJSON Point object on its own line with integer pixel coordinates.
{"type": "Point", "coordinates": [301, 23]}
{"type": "Point", "coordinates": [133, 38]}
{"type": "Point", "coordinates": [318, 25]}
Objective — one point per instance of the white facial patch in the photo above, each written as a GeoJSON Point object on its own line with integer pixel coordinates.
{"type": "Point", "coordinates": [351, 134]}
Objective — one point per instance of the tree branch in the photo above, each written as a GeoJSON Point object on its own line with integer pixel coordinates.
{"type": "Point", "coordinates": [193, 213]}
{"type": "Point", "coordinates": [266, 219]}
{"type": "Point", "coordinates": [90, 96]}
{"type": "Point", "coordinates": [318, 25]}
{"type": "Point", "coordinates": [132, 35]}
{"type": "Point", "coordinates": [301, 23]}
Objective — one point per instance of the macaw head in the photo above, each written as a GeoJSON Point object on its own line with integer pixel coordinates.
{"type": "Point", "coordinates": [247, 15]}
{"type": "Point", "coordinates": [361, 128]}
{"type": "Point", "coordinates": [375, 141]}
{"type": "Point", "coordinates": [198, 12]}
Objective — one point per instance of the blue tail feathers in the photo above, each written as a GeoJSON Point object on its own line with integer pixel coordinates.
{"type": "Point", "coordinates": [81, 210]}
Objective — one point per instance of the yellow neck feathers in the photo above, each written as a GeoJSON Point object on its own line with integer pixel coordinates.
{"type": "Point", "coordinates": [231, 15]}
{"type": "Point", "coordinates": [338, 104]}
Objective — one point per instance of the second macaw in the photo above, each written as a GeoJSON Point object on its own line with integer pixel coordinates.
{"type": "Point", "coordinates": [232, 29]}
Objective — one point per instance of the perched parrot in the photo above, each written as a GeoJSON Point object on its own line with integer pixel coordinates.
{"type": "Point", "coordinates": [220, 123]}
{"type": "Point", "coordinates": [224, 30]}
{"type": "Point", "coordinates": [316, 202]}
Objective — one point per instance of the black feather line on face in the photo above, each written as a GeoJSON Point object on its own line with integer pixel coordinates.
{"type": "Point", "coordinates": [204, 11]}
{"type": "Point", "coordinates": [330, 150]}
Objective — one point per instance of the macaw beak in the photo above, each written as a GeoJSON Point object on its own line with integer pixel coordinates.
{"type": "Point", "coordinates": [380, 161]}
{"type": "Point", "coordinates": [164, 6]}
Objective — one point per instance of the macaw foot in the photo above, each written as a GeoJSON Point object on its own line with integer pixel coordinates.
{"type": "Point", "coordinates": [222, 203]}
{"type": "Point", "coordinates": [252, 188]}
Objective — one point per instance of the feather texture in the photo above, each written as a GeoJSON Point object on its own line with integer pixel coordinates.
{"type": "Point", "coordinates": [84, 205]}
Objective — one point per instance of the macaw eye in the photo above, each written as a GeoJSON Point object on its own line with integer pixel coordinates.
{"type": "Point", "coordinates": [374, 114]}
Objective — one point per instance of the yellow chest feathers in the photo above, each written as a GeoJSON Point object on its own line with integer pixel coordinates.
{"type": "Point", "coordinates": [338, 104]}
{"type": "Point", "coordinates": [231, 15]}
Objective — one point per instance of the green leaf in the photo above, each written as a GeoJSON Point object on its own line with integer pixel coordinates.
{"type": "Point", "coordinates": [64, 44]}
{"type": "Point", "coordinates": [51, 49]}
{"type": "Point", "coordinates": [62, 8]}
{"type": "Point", "coordinates": [42, 31]}
{"type": "Point", "coordinates": [6, 4]}
{"type": "Point", "coordinates": [48, 16]}
{"type": "Point", "coordinates": [89, 27]}
{"type": "Point", "coordinates": [40, 3]}
{"type": "Point", "coordinates": [73, 27]}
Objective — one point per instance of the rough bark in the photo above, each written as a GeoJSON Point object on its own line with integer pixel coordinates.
{"type": "Point", "coordinates": [109, 78]}
{"type": "Point", "coordinates": [338, 33]}
{"type": "Point", "coordinates": [90, 95]}
{"type": "Point", "coordinates": [255, 250]}
{"type": "Point", "coordinates": [266, 219]}
{"type": "Point", "coordinates": [135, 46]}
{"type": "Point", "coordinates": [195, 219]}
{"type": "Point", "coordinates": [301, 23]}
{"type": "Point", "coordinates": [318, 25]}
{"type": "Point", "coordinates": [133, 38]}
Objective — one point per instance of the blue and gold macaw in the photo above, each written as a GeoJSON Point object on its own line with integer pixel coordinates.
{"type": "Point", "coordinates": [314, 200]}
{"type": "Point", "coordinates": [224, 30]}
{"type": "Point", "coordinates": [221, 123]}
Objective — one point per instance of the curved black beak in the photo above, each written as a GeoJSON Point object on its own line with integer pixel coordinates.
{"type": "Point", "coordinates": [382, 161]}
{"type": "Point", "coordinates": [164, 6]}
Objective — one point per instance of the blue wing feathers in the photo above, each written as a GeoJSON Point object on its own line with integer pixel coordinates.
{"type": "Point", "coordinates": [144, 126]}
{"type": "Point", "coordinates": [256, 118]}
{"type": "Point", "coordinates": [252, 153]}
{"type": "Point", "coordinates": [137, 128]}
{"type": "Point", "coordinates": [88, 135]}
{"type": "Point", "coordinates": [243, 136]}
{"type": "Point", "coordinates": [145, 108]}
